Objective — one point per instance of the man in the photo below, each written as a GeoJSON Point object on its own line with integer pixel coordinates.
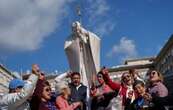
{"type": "Point", "coordinates": [19, 92]}
{"type": "Point", "coordinates": [78, 90]}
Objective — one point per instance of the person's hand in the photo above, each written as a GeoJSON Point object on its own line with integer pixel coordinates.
{"type": "Point", "coordinates": [104, 71]}
{"type": "Point", "coordinates": [100, 97]}
{"type": "Point", "coordinates": [147, 97]}
{"type": "Point", "coordinates": [42, 76]}
{"type": "Point", "coordinates": [35, 69]}
{"type": "Point", "coordinates": [93, 91]}
{"type": "Point", "coordinates": [69, 74]}
{"type": "Point", "coordinates": [81, 105]}
{"type": "Point", "coordinates": [77, 104]}
{"type": "Point", "coordinates": [130, 94]}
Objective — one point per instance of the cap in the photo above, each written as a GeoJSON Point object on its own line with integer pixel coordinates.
{"type": "Point", "coordinates": [16, 83]}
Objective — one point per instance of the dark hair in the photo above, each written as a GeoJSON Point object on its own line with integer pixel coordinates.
{"type": "Point", "coordinates": [131, 71]}
{"type": "Point", "coordinates": [36, 97]}
{"type": "Point", "coordinates": [11, 90]}
{"type": "Point", "coordinates": [46, 83]}
{"type": "Point", "coordinates": [138, 82]}
{"type": "Point", "coordinates": [99, 73]}
{"type": "Point", "coordinates": [75, 73]}
{"type": "Point", "coordinates": [104, 78]}
{"type": "Point", "coordinates": [122, 77]}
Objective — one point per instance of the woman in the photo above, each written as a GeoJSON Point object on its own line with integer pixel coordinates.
{"type": "Point", "coordinates": [101, 88]}
{"type": "Point", "coordinates": [125, 88]}
{"type": "Point", "coordinates": [140, 103]}
{"type": "Point", "coordinates": [144, 100]}
{"type": "Point", "coordinates": [62, 99]}
{"type": "Point", "coordinates": [101, 95]}
{"type": "Point", "coordinates": [156, 84]}
{"type": "Point", "coordinates": [42, 98]}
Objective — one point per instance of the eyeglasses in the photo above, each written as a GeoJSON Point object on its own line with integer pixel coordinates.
{"type": "Point", "coordinates": [100, 76]}
{"type": "Point", "coordinates": [126, 76]}
{"type": "Point", "coordinates": [48, 89]}
{"type": "Point", "coordinates": [75, 78]}
{"type": "Point", "coordinates": [153, 73]}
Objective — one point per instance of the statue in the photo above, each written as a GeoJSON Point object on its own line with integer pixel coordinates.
{"type": "Point", "coordinates": [83, 53]}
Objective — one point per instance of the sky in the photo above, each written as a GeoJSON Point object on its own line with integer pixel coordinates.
{"type": "Point", "coordinates": [34, 31]}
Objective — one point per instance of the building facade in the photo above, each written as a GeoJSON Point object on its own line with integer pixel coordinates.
{"type": "Point", "coordinates": [51, 80]}
{"type": "Point", "coordinates": [5, 77]}
{"type": "Point", "coordinates": [141, 66]}
{"type": "Point", "coordinates": [164, 63]}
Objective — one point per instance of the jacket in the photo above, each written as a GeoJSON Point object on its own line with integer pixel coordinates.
{"type": "Point", "coordinates": [158, 89]}
{"type": "Point", "coordinates": [78, 94]}
{"type": "Point", "coordinates": [18, 101]}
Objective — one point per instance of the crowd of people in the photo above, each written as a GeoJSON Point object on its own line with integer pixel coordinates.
{"type": "Point", "coordinates": [130, 93]}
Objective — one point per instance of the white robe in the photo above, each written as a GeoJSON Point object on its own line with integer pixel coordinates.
{"type": "Point", "coordinates": [83, 53]}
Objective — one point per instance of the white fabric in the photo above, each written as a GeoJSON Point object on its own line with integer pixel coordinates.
{"type": "Point", "coordinates": [61, 77]}
{"type": "Point", "coordinates": [130, 89]}
{"type": "Point", "coordinates": [116, 102]}
{"type": "Point", "coordinates": [83, 52]}
{"type": "Point", "coordinates": [18, 101]}
{"type": "Point", "coordinates": [78, 86]}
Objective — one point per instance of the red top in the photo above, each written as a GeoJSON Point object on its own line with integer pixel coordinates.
{"type": "Point", "coordinates": [117, 86]}
{"type": "Point", "coordinates": [62, 104]}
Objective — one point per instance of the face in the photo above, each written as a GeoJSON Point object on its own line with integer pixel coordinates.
{"type": "Point", "coordinates": [76, 80]}
{"type": "Point", "coordinates": [18, 89]}
{"type": "Point", "coordinates": [42, 76]}
{"type": "Point", "coordinates": [127, 79]}
{"type": "Point", "coordinates": [100, 78]}
{"type": "Point", "coordinates": [140, 89]}
{"type": "Point", "coordinates": [46, 94]}
{"type": "Point", "coordinates": [67, 91]}
{"type": "Point", "coordinates": [153, 76]}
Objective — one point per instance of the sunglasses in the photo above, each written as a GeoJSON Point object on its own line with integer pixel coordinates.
{"type": "Point", "coordinates": [20, 87]}
{"type": "Point", "coordinates": [42, 74]}
{"type": "Point", "coordinates": [48, 89]}
{"type": "Point", "coordinates": [153, 73]}
{"type": "Point", "coordinates": [126, 76]}
{"type": "Point", "coordinates": [100, 76]}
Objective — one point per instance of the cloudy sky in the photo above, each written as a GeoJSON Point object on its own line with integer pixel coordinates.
{"type": "Point", "coordinates": [34, 31]}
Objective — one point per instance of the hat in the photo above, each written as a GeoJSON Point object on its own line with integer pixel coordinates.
{"type": "Point", "coordinates": [16, 83]}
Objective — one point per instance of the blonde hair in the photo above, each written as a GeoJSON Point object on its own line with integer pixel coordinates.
{"type": "Point", "coordinates": [160, 76]}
